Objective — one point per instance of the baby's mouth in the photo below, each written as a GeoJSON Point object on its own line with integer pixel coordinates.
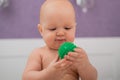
{"type": "Point", "coordinates": [60, 40]}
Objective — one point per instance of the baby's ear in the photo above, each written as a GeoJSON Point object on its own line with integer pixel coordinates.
{"type": "Point", "coordinates": [40, 29]}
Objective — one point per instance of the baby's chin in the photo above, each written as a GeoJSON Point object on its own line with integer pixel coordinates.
{"type": "Point", "coordinates": [54, 47]}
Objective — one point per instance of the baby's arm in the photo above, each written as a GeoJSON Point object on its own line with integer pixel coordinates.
{"type": "Point", "coordinates": [55, 70]}
{"type": "Point", "coordinates": [81, 62]}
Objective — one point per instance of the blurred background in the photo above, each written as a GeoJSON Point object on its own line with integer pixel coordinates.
{"type": "Point", "coordinates": [98, 32]}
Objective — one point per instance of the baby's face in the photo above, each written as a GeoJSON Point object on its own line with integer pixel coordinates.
{"type": "Point", "coordinates": [58, 26]}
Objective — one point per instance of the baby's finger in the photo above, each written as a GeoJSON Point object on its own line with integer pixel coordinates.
{"type": "Point", "coordinates": [70, 58]}
{"type": "Point", "coordinates": [66, 65]}
{"type": "Point", "coordinates": [60, 62]}
{"type": "Point", "coordinates": [73, 54]}
{"type": "Point", "coordinates": [78, 49]}
{"type": "Point", "coordinates": [63, 64]}
{"type": "Point", "coordinates": [81, 52]}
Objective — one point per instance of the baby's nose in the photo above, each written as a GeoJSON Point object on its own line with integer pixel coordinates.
{"type": "Point", "coordinates": [60, 33]}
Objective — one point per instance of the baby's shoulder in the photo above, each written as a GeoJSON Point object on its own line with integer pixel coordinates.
{"type": "Point", "coordinates": [37, 51]}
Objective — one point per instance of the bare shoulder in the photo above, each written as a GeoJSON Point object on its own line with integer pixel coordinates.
{"type": "Point", "coordinates": [37, 51]}
{"type": "Point", "coordinates": [34, 61]}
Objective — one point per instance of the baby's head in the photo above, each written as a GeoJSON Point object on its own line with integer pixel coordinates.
{"type": "Point", "coordinates": [57, 22]}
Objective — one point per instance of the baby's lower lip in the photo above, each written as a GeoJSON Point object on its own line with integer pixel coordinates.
{"type": "Point", "coordinates": [61, 40]}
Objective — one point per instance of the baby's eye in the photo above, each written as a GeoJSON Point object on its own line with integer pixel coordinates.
{"type": "Point", "coordinates": [67, 28]}
{"type": "Point", "coordinates": [52, 29]}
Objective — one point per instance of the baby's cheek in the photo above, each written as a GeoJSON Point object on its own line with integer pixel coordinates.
{"type": "Point", "coordinates": [71, 38]}
{"type": "Point", "coordinates": [49, 36]}
{"type": "Point", "coordinates": [72, 34]}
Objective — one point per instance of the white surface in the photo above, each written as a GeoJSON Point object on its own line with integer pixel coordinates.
{"type": "Point", "coordinates": [104, 54]}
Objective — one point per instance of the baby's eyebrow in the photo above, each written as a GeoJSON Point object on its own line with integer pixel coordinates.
{"type": "Point", "coordinates": [47, 25]}
{"type": "Point", "coordinates": [73, 24]}
{"type": "Point", "coordinates": [50, 25]}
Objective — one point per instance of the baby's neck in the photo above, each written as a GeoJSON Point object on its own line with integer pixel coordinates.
{"type": "Point", "coordinates": [51, 49]}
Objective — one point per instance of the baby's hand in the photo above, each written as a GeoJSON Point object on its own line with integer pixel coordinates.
{"type": "Point", "coordinates": [58, 68]}
{"type": "Point", "coordinates": [80, 61]}
{"type": "Point", "coordinates": [79, 58]}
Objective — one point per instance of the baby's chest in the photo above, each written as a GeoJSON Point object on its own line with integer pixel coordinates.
{"type": "Point", "coordinates": [47, 62]}
{"type": "Point", "coordinates": [70, 77]}
{"type": "Point", "coordinates": [71, 72]}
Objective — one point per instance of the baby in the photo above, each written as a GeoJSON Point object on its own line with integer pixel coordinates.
{"type": "Point", "coordinates": [58, 25]}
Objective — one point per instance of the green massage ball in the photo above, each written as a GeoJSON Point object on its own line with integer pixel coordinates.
{"type": "Point", "coordinates": [65, 48]}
